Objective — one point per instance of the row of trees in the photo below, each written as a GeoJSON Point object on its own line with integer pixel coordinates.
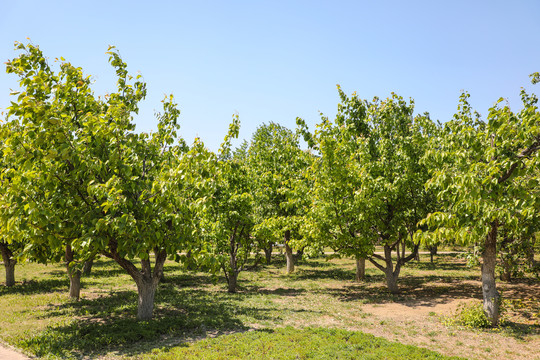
{"type": "Point", "coordinates": [78, 182]}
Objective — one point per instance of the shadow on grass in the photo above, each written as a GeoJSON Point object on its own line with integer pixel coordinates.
{"type": "Point", "coordinates": [414, 291]}
{"type": "Point", "coordinates": [318, 274]}
{"type": "Point", "coordinates": [250, 290]}
{"type": "Point", "coordinates": [36, 287]}
{"type": "Point", "coordinates": [107, 323]}
{"type": "Point", "coordinates": [519, 331]}
{"type": "Point", "coordinates": [438, 266]}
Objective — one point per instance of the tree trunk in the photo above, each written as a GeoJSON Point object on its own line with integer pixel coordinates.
{"type": "Point", "coordinates": [232, 281]}
{"type": "Point", "coordinates": [530, 252]}
{"type": "Point", "coordinates": [298, 256]}
{"type": "Point", "coordinates": [73, 275]}
{"type": "Point", "coordinates": [489, 290]}
{"type": "Point", "coordinates": [391, 281]}
{"type": "Point", "coordinates": [360, 269]}
{"type": "Point", "coordinates": [87, 269]}
{"type": "Point", "coordinates": [146, 287]}
{"type": "Point", "coordinates": [9, 264]}
{"type": "Point", "coordinates": [233, 273]}
{"type": "Point", "coordinates": [74, 283]}
{"type": "Point", "coordinates": [147, 280]}
{"type": "Point", "coordinates": [268, 254]}
{"type": "Point", "coordinates": [10, 272]}
{"type": "Point", "coordinates": [289, 253]}
{"type": "Point", "coordinates": [506, 271]}
{"type": "Point", "coordinates": [432, 251]}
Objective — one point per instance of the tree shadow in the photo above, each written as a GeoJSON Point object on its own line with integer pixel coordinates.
{"type": "Point", "coordinates": [438, 265]}
{"type": "Point", "coordinates": [250, 290]}
{"type": "Point", "coordinates": [40, 286]}
{"type": "Point", "coordinates": [108, 322]}
{"type": "Point", "coordinates": [330, 273]}
{"type": "Point", "coordinates": [414, 291]}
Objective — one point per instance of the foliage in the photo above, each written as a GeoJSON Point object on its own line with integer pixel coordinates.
{"type": "Point", "coordinates": [82, 178]}
{"type": "Point", "coordinates": [337, 216]}
{"type": "Point", "coordinates": [470, 315]}
{"type": "Point", "coordinates": [276, 168]}
{"type": "Point", "coordinates": [227, 221]}
{"type": "Point", "coordinates": [368, 182]}
{"type": "Point", "coordinates": [486, 172]}
{"type": "Point", "coordinates": [485, 175]}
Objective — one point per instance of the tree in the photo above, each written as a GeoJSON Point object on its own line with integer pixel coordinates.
{"type": "Point", "coordinates": [485, 174]}
{"type": "Point", "coordinates": [84, 181]}
{"type": "Point", "coordinates": [336, 217]}
{"type": "Point", "coordinates": [9, 263]}
{"type": "Point", "coordinates": [228, 220]}
{"type": "Point", "coordinates": [276, 165]}
{"type": "Point", "coordinates": [6, 247]}
{"type": "Point", "coordinates": [369, 184]}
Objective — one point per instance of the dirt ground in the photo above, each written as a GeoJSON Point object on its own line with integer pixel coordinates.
{"type": "Point", "coordinates": [418, 323]}
{"type": "Point", "coordinates": [7, 353]}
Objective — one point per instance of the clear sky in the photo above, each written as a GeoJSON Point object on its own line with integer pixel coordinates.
{"type": "Point", "coordinates": [276, 60]}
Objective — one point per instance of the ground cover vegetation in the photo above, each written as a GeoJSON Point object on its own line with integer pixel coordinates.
{"type": "Point", "coordinates": [80, 185]}
{"type": "Point", "coordinates": [321, 294]}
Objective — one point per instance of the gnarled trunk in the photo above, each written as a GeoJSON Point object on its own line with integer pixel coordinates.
{"type": "Point", "coordinates": [489, 289]}
{"type": "Point", "coordinates": [268, 254]}
{"type": "Point", "coordinates": [360, 269]}
{"type": "Point", "coordinates": [289, 253]}
{"type": "Point", "coordinates": [9, 264]}
{"type": "Point", "coordinates": [74, 275]}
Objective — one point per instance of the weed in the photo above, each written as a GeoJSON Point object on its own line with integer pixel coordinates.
{"type": "Point", "coordinates": [469, 315]}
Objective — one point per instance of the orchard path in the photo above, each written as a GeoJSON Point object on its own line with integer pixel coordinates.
{"type": "Point", "coordinates": [7, 353]}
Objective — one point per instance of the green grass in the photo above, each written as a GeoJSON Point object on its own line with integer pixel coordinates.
{"type": "Point", "coordinates": [38, 317]}
{"type": "Point", "coordinates": [291, 343]}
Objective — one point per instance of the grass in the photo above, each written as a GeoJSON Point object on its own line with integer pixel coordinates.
{"type": "Point", "coordinates": [39, 318]}
{"type": "Point", "coordinates": [290, 343]}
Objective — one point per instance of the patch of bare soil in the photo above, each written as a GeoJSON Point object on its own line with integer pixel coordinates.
{"type": "Point", "coordinates": [418, 322]}
{"type": "Point", "coordinates": [7, 353]}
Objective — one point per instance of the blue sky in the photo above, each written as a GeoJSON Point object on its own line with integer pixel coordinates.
{"type": "Point", "coordinates": [276, 60]}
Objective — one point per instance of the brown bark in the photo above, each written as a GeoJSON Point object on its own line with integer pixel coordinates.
{"type": "Point", "coordinates": [360, 269]}
{"type": "Point", "coordinates": [268, 254]}
{"type": "Point", "coordinates": [147, 280]}
{"type": "Point", "coordinates": [73, 275]}
{"type": "Point", "coordinates": [391, 273]}
{"type": "Point", "coordinates": [232, 280]}
{"type": "Point", "coordinates": [87, 268]}
{"type": "Point", "coordinates": [9, 264]}
{"type": "Point", "coordinates": [489, 289]}
{"type": "Point", "coordinates": [432, 251]}
{"type": "Point", "coordinates": [289, 253]}
{"type": "Point", "coordinates": [506, 270]}
{"type": "Point", "coordinates": [299, 254]}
